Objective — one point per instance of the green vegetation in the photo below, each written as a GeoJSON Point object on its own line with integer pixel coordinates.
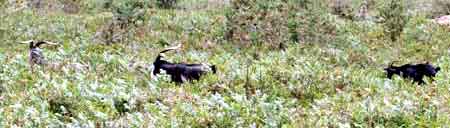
{"type": "Point", "coordinates": [395, 18]}
{"type": "Point", "coordinates": [166, 3]}
{"type": "Point", "coordinates": [281, 63]}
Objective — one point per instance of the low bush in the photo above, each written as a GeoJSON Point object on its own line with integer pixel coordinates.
{"type": "Point", "coordinates": [166, 3]}
{"type": "Point", "coordinates": [127, 15]}
{"type": "Point", "coordinates": [252, 22]}
{"type": "Point", "coordinates": [394, 14]}
{"type": "Point", "coordinates": [62, 107]}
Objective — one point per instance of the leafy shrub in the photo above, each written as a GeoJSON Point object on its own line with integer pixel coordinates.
{"type": "Point", "coordinates": [272, 23]}
{"type": "Point", "coordinates": [127, 15]}
{"type": "Point", "coordinates": [252, 21]}
{"type": "Point", "coordinates": [63, 107]}
{"type": "Point", "coordinates": [396, 120]}
{"type": "Point", "coordinates": [121, 106]}
{"type": "Point", "coordinates": [166, 3]}
{"type": "Point", "coordinates": [70, 6]}
{"type": "Point", "coordinates": [350, 9]}
{"type": "Point", "coordinates": [315, 23]}
{"type": "Point", "coordinates": [395, 18]}
{"type": "Point", "coordinates": [292, 28]}
{"type": "Point", "coordinates": [129, 11]}
{"type": "Point", "coordinates": [343, 8]}
{"type": "Point", "coordinates": [96, 5]}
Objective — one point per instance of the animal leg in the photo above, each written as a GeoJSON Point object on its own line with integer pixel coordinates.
{"type": "Point", "coordinates": [32, 67]}
{"type": "Point", "coordinates": [176, 78]}
{"type": "Point", "coordinates": [183, 78]}
{"type": "Point", "coordinates": [419, 81]}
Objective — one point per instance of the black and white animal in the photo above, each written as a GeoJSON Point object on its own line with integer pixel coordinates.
{"type": "Point", "coordinates": [416, 72]}
{"type": "Point", "coordinates": [36, 56]}
{"type": "Point", "coordinates": [181, 72]}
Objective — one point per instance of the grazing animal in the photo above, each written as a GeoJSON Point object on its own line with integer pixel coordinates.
{"type": "Point", "coordinates": [416, 72]}
{"type": "Point", "coordinates": [181, 72]}
{"type": "Point", "coordinates": [36, 56]}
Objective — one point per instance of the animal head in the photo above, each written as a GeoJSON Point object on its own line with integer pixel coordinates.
{"type": "Point", "coordinates": [158, 63]}
{"type": "Point", "coordinates": [391, 70]}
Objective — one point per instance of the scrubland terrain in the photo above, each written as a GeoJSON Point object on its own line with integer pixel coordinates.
{"type": "Point", "coordinates": [281, 63]}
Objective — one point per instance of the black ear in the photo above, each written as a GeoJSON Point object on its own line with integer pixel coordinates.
{"type": "Point", "coordinates": [438, 68]}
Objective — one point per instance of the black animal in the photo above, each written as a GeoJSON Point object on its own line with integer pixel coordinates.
{"type": "Point", "coordinates": [181, 72]}
{"type": "Point", "coordinates": [36, 56]}
{"type": "Point", "coordinates": [416, 72]}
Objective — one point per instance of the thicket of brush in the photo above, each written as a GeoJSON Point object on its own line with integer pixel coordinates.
{"type": "Point", "coordinates": [281, 63]}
